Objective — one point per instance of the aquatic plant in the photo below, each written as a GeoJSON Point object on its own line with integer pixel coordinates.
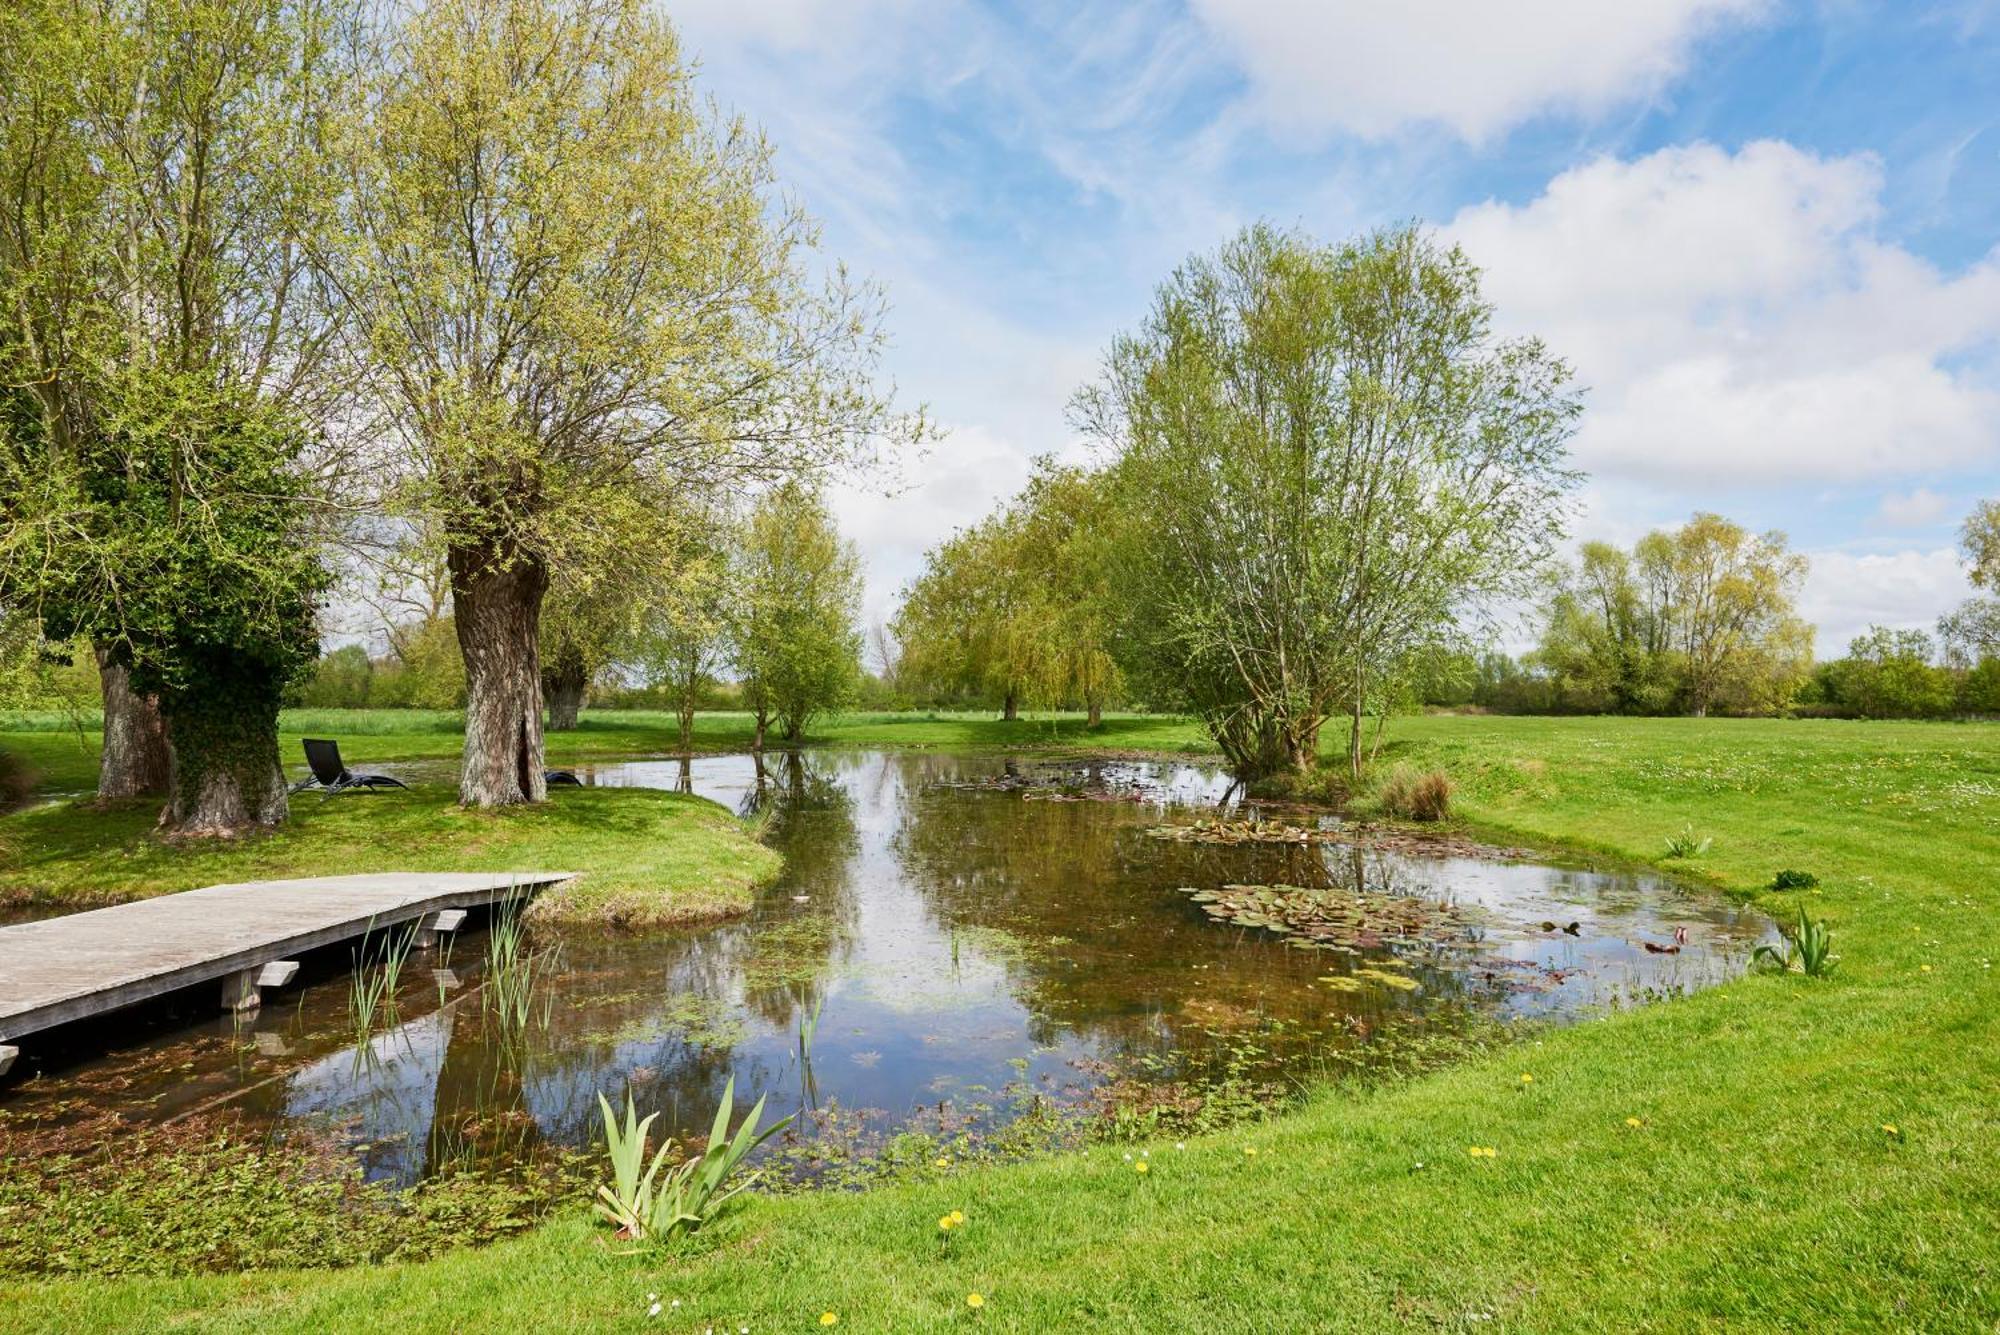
{"type": "Point", "coordinates": [371, 990]}
{"type": "Point", "coordinates": [516, 975]}
{"type": "Point", "coordinates": [1687, 844]}
{"type": "Point", "coordinates": [1788, 879]}
{"type": "Point", "coordinates": [1807, 949]}
{"type": "Point", "coordinates": [1346, 921]}
{"type": "Point", "coordinates": [649, 1202]}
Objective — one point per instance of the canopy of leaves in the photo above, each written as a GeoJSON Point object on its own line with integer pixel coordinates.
{"type": "Point", "coordinates": [798, 645]}
{"type": "Point", "coordinates": [1324, 461]}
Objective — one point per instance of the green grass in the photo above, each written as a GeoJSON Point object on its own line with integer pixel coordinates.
{"type": "Point", "coordinates": [1759, 1191]}
{"type": "Point", "coordinates": [646, 857]}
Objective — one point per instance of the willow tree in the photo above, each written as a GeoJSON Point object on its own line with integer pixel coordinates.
{"type": "Point", "coordinates": [578, 291]}
{"type": "Point", "coordinates": [1015, 608]}
{"type": "Point", "coordinates": [1326, 460]}
{"type": "Point", "coordinates": [164, 296]}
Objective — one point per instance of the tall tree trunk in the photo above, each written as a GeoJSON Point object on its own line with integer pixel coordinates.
{"type": "Point", "coordinates": [1096, 714]}
{"type": "Point", "coordinates": [224, 733]}
{"type": "Point", "coordinates": [498, 612]}
{"type": "Point", "coordinates": [565, 683]}
{"type": "Point", "coordinates": [1354, 731]}
{"type": "Point", "coordinates": [1010, 709]}
{"type": "Point", "coordinates": [763, 721]}
{"type": "Point", "coordinates": [136, 760]}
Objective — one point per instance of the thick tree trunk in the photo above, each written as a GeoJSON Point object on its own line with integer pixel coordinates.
{"type": "Point", "coordinates": [1096, 714]}
{"type": "Point", "coordinates": [1010, 709]}
{"type": "Point", "coordinates": [690, 688]}
{"type": "Point", "coordinates": [763, 721]}
{"type": "Point", "coordinates": [497, 607]}
{"type": "Point", "coordinates": [136, 760]}
{"type": "Point", "coordinates": [226, 775]}
{"type": "Point", "coordinates": [565, 701]}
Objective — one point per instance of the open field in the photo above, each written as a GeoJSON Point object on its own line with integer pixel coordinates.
{"type": "Point", "coordinates": [1762, 1185]}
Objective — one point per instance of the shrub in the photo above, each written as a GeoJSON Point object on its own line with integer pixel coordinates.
{"type": "Point", "coordinates": [1408, 795]}
{"type": "Point", "coordinates": [1808, 949]}
{"type": "Point", "coordinates": [1788, 879]}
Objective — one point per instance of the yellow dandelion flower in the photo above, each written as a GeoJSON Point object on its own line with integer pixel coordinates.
{"type": "Point", "coordinates": [1890, 1128]}
{"type": "Point", "coordinates": [957, 1216]}
{"type": "Point", "coordinates": [1925, 967]}
{"type": "Point", "coordinates": [1249, 1151]}
{"type": "Point", "coordinates": [1633, 1121]}
{"type": "Point", "coordinates": [944, 1222]}
{"type": "Point", "coordinates": [829, 1318]}
{"type": "Point", "coordinates": [943, 1162]}
{"type": "Point", "coordinates": [1527, 1079]}
{"type": "Point", "coordinates": [1141, 1166]}
{"type": "Point", "coordinates": [974, 1300]}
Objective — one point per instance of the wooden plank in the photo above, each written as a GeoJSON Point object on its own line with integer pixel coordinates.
{"type": "Point", "coordinates": [62, 969]}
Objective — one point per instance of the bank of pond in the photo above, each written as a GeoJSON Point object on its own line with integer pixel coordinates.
{"type": "Point", "coordinates": [966, 958]}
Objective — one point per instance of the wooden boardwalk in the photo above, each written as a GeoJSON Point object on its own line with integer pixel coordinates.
{"type": "Point", "coordinates": [69, 968]}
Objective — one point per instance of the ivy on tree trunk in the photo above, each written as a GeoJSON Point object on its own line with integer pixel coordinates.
{"type": "Point", "coordinates": [226, 772]}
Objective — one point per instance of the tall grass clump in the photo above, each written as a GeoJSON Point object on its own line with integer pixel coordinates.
{"type": "Point", "coordinates": [516, 994]}
{"type": "Point", "coordinates": [371, 991]}
{"type": "Point", "coordinates": [1407, 794]}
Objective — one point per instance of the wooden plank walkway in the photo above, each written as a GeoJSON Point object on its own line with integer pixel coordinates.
{"type": "Point", "coordinates": [83, 964]}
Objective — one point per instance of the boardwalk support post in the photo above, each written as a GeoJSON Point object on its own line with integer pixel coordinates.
{"type": "Point", "coordinates": [241, 991]}
{"type": "Point", "coordinates": [445, 920]}
{"type": "Point", "coordinates": [7, 1056]}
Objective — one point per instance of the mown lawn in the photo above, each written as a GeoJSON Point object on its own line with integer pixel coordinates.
{"type": "Point", "coordinates": [1761, 1187]}
{"type": "Point", "coordinates": [645, 857]}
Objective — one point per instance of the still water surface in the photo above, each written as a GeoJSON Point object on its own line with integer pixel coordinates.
{"type": "Point", "coordinates": [976, 933]}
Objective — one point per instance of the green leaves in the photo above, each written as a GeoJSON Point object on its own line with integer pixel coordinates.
{"type": "Point", "coordinates": [646, 1207]}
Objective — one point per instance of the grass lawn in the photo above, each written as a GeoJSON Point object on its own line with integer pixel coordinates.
{"type": "Point", "coordinates": [646, 857]}
{"type": "Point", "coordinates": [1760, 1187]}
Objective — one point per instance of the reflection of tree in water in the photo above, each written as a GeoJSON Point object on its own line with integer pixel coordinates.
{"type": "Point", "coordinates": [803, 926]}
{"type": "Point", "coordinates": [1080, 888]}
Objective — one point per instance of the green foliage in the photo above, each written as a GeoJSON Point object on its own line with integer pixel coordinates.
{"type": "Point", "coordinates": [799, 590]}
{"type": "Point", "coordinates": [1807, 948]}
{"type": "Point", "coordinates": [424, 669]}
{"type": "Point", "coordinates": [648, 1207]}
{"type": "Point", "coordinates": [1016, 609]}
{"type": "Point", "coordinates": [1687, 844]}
{"type": "Point", "coordinates": [1692, 619]}
{"type": "Point", "coordinates": [341, 679]}
{"type": "Point", "coordinates": [1790, 879]}
{"type": "Point", "coordinates": [1323, 459]}
{"type": "Point", "coordinates": [1979, 539]}
{"type": "Point", "coordinates": [1888, 674]}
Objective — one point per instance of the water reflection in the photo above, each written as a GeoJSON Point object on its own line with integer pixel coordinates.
{"type": "Point", "coordinates": [960, 924]}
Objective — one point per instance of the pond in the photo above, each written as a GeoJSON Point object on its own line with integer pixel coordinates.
{"type": "Point", "coordinates": [985, 940]}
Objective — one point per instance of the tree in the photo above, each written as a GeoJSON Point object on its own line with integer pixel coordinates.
{"type": "Point", "coordinates": [798, 645]}
{"type": "Point", "coordinates": [1980, 541]}
{"type": "Point", "coordinates": [1325, 461]}
{"type": "Point", "coordinates": [165, 307]}
{"type": "Point", "coordinates": [1015, 609]}
{"type": "Point", "coordinates": [1888, 674]}
{"type": "Point", "coordinates": [1604, 636]}
{"type": "Point", "coordinates": [1728, 599]}
{"type": "Point", "coordinates": [684, 640]}
{"type": "Point", "coordinates": [581, 303]}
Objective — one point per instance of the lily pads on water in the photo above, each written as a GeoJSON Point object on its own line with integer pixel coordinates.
{"type": "Point", "coordinates": [1348, 922]}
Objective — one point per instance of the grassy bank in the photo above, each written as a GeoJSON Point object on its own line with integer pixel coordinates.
{"type": "Point", "coordinates": [645, 857]}
{"type": "Point", "coordinates": [1720, 1161]}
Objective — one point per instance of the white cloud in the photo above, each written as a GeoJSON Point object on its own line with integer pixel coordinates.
{"type": "Point", "coordinates": [1916, 509]}
{"type": "Point", "coordinates": [1474, 66]}
{"type": "Point", "coordinates": [1737, 321]}
{"type": "Point", "coordinates": [1846, 593]}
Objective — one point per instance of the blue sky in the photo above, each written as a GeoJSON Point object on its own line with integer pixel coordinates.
{"type": "Point", "coordinates": [1765, 233]}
